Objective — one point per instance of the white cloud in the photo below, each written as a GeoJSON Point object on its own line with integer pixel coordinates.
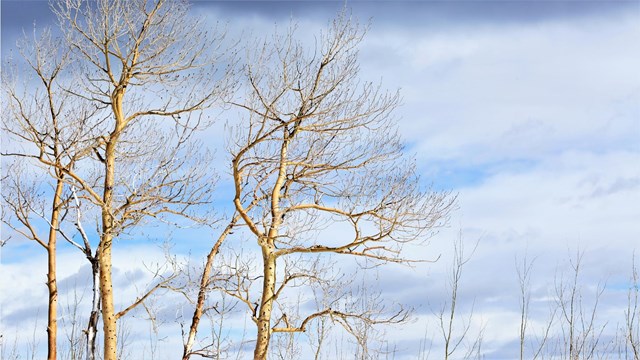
{"type": "Point", "coordinates": [547, 111]}
{"type": "Point", "coordinates": [494, 93]}
{"type": "Point", "coordinates": [575, 202]}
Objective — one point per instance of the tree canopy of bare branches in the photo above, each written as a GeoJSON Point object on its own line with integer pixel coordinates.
{"type": "Point", "coordinates": [317, 148]}
{"type": "Point", "coordinates": [134, 79]}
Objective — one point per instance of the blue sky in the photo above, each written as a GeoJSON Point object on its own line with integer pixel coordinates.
{"type": "Point", "coordinates": [529, 111]}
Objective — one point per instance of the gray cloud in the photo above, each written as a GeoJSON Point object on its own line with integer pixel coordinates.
{"type": "Point", "coordinates": [423, 13]}
{"type": "Point", "coordinates": [24, 314]}
{"type": "Point", "coordinates": [21, 15]}
{"type": "Point", "coordinates": [78, 283]}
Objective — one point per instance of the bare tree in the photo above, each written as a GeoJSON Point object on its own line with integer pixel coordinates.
{"type": "Point", "coordinates": [91, 332]}
{"type": "Point", "coordinates": [632, 314]}
{"type": "Point", "coordinates": [580, 331]}
{"type": "Point", "coordinates": [524, 280]}
{"type": "Point", "coordinates": [426, 344]}
{"type": "Point", "coordinates": [71, 319]}
{"type": "Point", "coordinates": [523, 270]}
{"type": "Point", "coordinates": [137, 63]}
{"type": "Point", "coordinates": [454, 335]}
{"type": "Point", "coordinates": [21, 198]}
{"type": "Point", "coordinates": [44, 121]}
{"type": "Point", "coordinates": [317, 150]}
{"type": "Point", "coordinates": [203, 288]}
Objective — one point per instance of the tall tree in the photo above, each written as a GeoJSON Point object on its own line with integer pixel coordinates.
{"type": "Point", "coordinates": [22, 199]}
{"type": "Point", "coordinates": [40, 117]}
{"type": "Point", "coordinates": [147, 69]}
{"type": "Point", "coordinates": [318, 150]}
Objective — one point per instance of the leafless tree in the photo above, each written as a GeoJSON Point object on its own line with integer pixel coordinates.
{"type": "Point", "coordinates": [524, 280]}
{"type": "Point", "coordinates": [454, 335]}
{"type": "Point", "coordinates": [147, 70]}
{"type": "Point", "coordinates": [42, 120]}
{"type": "Point", "coordinates": [204, 287]}
{"type": "Point", "coordinates": [523, 270]}
{"type": "Point", "coordinates": [91, 332]}
{"type": "Point", "coordinates": [580, 331]}
{"type": "Point", "coordinates": [9, 352]}
{"type": "Point", "coordinates": [632, 314]}
{"type": "Point", "coordinates": [426, 344]}
{"type": "Point", "coordinates": [317, 150]}
{"type": "Point", "coordinates": [27, 208]}
{"type": "Point", "coordinates": [71, 319]}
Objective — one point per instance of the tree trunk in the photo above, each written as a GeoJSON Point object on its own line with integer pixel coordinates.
{"type": "Point", "coordinates": [109, 319]}
{"type": "Point", "coordinates": [52, 321]}
{"type": "Point", "coordinates": [92, 326]}
{"type": "Point", "coordinates": [268, 292]}
{"type": "Point", "coordinates": [269, 261]}
{"type": "Point", "coordinates": [202, 293]}
{"type": "Point", "coordinates": [106, 295]}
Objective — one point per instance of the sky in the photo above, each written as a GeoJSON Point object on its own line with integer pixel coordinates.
{"type": "Point", "coordinates": [528, 111]}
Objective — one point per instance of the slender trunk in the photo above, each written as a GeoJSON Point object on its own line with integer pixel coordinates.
{"type": "Point", "coordinates": [52, 321]}
{"type": "Point", "coordinates": [106, 297]}
{"type": "Point", "coordinates": [268, 292]}
{"type": "Point", "coordinates": [202, 293]}
{"type": "Point", "coordinates": [522, 335]}
{"type": "Point", "coordinates": [571, 328]}
{"type": "Point", "coordinates": [109, 319]}
{"type": "Point", "coordinates": [92, 326]}
{"type": "Point", "coordinates": [523, 317]}
{"type": "Point", "coordinates": [268, 260]}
